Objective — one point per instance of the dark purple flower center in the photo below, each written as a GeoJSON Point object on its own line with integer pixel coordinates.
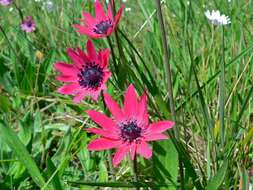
{"type": "Point", "coordinates": [130, 131]}
{"type": "Point", "coordinates": [29, 23]}
{"type": "Point", "coordinates": [103, 26]}
{"type": "Point", "coordinates": [91, 76]}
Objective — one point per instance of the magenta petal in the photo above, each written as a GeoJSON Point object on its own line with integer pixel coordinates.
{"type": "Point", "coordinates": [120, 154]}
{"type": "Point", "coordinates": [113, 107]}
{"type": "Point", "coordinates": [105, 58]}
{"type": "Point", "coordinates": [100, 58]}
{"type": "Point", "coordinates": [160, 126]}
{"type": "Point", "coordinates": [118, 16]}
{"type": "Point", "coordinates": [107, 76]}
{"type": "Point", "coordinates": [103, 144]}
{"type": "Point", "coordinates": [69, 88]}
{"type": "Point", "coordinates": [132, 151]}
{"type": "Point", "coordinates": [155, 137]}
{"type": "Point", "coordinates": [104, 133]}
{"type": "Point", "coordinates": [75, 57]}
{"type": "Point", "coordinates": [95, 94]}
{"type": "Point", "coordinates": [143, 110]}
{"type": "Point", "coordinates": [130, 102]}
{"type": "Point", "coordinates": [64, 78]}
{"type": "Point", "coordinates": [91, 50]}
{"type": "Point", "coordinates": [82, 55]}
{"type": "Point", "coordinates": [102, 120]}
{"type": "Point", "coordinates": [80, 96]}
{"type": "Point", "coordinates": [109, 13]}
{"type": "Point", "coordinates": [66, 69]}
{"type": "Point", "coordinates": [89, 20]}
{"type": "Point", "coordinates": [99, 10]}
{"type": "Point", "coordinates": [86, 31]}
{"type": "Point", "coordinates": [144, 150]}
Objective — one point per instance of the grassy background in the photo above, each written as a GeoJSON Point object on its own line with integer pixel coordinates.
{"type": "Point", "coordinates": [42, 140]}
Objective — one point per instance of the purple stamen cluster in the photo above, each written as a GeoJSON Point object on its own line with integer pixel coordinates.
{"type": "Point", "coordinates": [103, 26]}
{"type": "Point", "coordinates": [130, 131]}
{"type": "Point", "coordinates": [91, 76]}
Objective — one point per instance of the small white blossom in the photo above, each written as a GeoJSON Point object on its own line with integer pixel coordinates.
{"type": "Point", "coordinates": [128, 9]}
{"type": "Point", "coordinates": [216, 18]}
{"type": "Point", "coordinates": [48, 5]}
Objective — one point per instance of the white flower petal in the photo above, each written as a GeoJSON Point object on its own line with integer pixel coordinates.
{"type": "Point", "coordinates": [216, 18]}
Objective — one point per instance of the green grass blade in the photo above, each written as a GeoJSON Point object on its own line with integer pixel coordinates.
{"type": "Point", "coordinates": [119, 184]}
{"type": "Point", "coordinates": [189, 167]}
{"type": "Point", "coordinates": [12, 140]}
{"type": "Point", "coordinates": [217, 180]}
{"type": "Point", "coordinates": [51, 169]}
{"type": "Point", "coordinates": [211, 79]}
{"type": "Point", "coordinates": [243, 108]}
{"type": "Point", "coordinates": [222, 91]}
{"type": "Point", "coordinates": [165, 161]}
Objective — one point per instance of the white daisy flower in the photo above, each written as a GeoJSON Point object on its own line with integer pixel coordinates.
{"type": "Point", "coordinates": [49, 5]}
{"type": "Point", "coordinates": [216, 18]}
{"type": "Point", "coordinates": [128, 9]}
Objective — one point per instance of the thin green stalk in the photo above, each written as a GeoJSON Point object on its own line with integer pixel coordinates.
{"type": "Point", "coordinates": [8, 41]}
{"type": "Point", "coordinates": [205, 113]}
{"type": "Point", "coordinates": [109, 153]}
{"type": "Point", "coordinates": [135, 170]}
{"type": "Point", "coordinates": [222, 91]}
{"type": "Point", "coordinates": [21, 16]}
{"type": "Point", "coordinates": [167, 64]}
{"type": "Point", "coordinates": [119, 47]}
{"type": "Point", "coordinates": [113, 56]}
{"type": "Point", "coordinates": [19, 11]}
{"type": "Point", "coordinates": [169, 81]}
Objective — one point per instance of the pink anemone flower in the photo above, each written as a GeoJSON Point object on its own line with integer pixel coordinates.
{"type": "Point", "coordinates": [5, 2]}
{"type": "Point", "coordinates": [28, 25]}
{"type": "Point", "coordinates": [100, 26]}
{"type": "Point", "coordinates": [87, 75]}
{"type": "Point", "coordinates": [129, 130]}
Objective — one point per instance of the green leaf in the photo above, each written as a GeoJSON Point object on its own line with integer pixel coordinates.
{"type": "Point", "coordinates": [248, 137]}
{"type": "Point", "coordinates": [120, 184]}
{"type": "Point", "coordinates": [165, 161]}
{"type": "Point", "coordinates": [51, 169]}
{"type": "Point", "coordinates": [103, 173]}
{"type": "Point", "coordinates": [189, 167]}
{"type": "Point", "coordinates": [217, 180]}
{"type": "Point", "coordinates": [4, 104]}
{"type": "Point", "coordinates": [12, 140]}
{"type": "Point", "coordinates": [244, 178]}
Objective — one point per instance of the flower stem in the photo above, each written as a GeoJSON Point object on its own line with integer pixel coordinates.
{"type": "Point", "coordinates": [109, 153]}
{"type": "Point", "coordinates": [8, 41]}
{"type": "Point", "coordinates": [135, 170]}
{"type": "Point", "coordinates": [113, 56]}
{"type": "Point", "coordinates": [19, 11]}
{"type": "Point", "coordinates": [167, 64]}
{"type": "Point", "coordinates": [169, 81]}
{"type": "Point", "coordinates": [112, 171]}
{"type": "Point", "coordinates": [222, 91]}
